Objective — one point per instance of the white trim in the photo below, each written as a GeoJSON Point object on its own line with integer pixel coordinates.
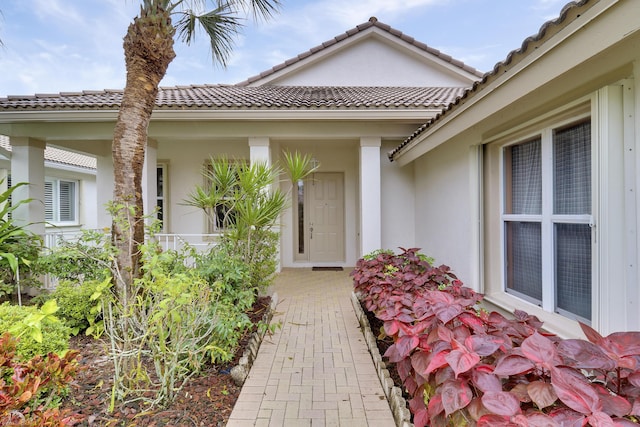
{"type": "Point", "coordinates": [55, 206]}
{"type": "Point", "coordinates": [476, 202]}
{"type": "Point", "coordinates": [411, 115]}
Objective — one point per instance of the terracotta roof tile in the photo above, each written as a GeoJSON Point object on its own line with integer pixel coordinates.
{"type": "Point", "coordinates": [373, 22]}
{"type": "Point", "coordinates": [569, 12]}
{"type": "Point", "coordinates": [254, 98]}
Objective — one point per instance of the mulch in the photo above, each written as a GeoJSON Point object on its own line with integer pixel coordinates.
{"type": "Point", "coordinates": [206, 400]}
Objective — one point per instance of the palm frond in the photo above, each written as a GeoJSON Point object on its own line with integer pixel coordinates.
{"type": "Point", "coordinates": [298, 166]}
{"type": "Point", "coordinates": [259, 9]}
{"type": "Point", "coordinates": [219, 24]}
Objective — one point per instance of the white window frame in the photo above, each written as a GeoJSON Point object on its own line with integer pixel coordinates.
{"type": "Point", "coordinates": [56, 194]}
{"type": "Point", "coordinates": [614, 207]}
{"type": "Point", "coordinates": [210, 226]}
{"type": "Point", "coordinates": [163, 195]}
{"type": "Point", "coordinates": [547, 218]}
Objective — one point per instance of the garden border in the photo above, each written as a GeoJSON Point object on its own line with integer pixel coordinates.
{"type": "Point", "coordinates": [240, 372]}
{"type": "Point", "coordinates": [397, 403]}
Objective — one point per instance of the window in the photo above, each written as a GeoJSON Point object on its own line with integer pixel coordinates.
{"type": "Point", "coordinates": [161, 196]}
{"type": "Point", "coordinates": [61, 200]}
{"type": "Point", "coordinates": [546, 219]}
{"type": "Point", "coordinates": [224, 175]}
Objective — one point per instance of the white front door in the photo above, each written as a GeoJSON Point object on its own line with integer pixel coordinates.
{"type": "Point", "coordinates": [326, 217]}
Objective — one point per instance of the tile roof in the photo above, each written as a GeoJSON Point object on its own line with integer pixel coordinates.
{"type": "Point", "coordinates": [225, 97]}
{"type": "Point", "coordinates": [373, 22]}
{"type": "Point", "coordinates": [56, 155]}
{"type": "Point", "coordinates": [569, 12]}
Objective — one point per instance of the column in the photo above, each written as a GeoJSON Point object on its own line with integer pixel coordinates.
{"type": "Point", "coordinates": [149, 178]}
{"type": "Point", "coordinates": [370, 195]}
{"type": "Point", "coordinates": [27, 165]}
{"type": "Point", "coordinates": [259, 150]}
{"type": "Point", "coordinates": [104, 184]}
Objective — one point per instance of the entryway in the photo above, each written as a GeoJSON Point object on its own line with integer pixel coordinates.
{"type": "Point", "coordinates": [320, 211]}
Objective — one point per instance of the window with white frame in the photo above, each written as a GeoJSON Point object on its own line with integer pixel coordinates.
{"type": "Point", "coordinates": [222, 215]}
{"type": "Point", "coordinates": [546, 219]}
{"type": "Point", "coordinates": [61, 200]}
{"type": "Point", "coordinates": [161, 196]}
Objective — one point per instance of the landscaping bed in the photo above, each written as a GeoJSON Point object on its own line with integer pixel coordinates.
{"type": "Point", "coordinates": [206, 400]}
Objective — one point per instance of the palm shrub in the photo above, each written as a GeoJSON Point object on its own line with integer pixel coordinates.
{"type": "Point", "coordinates": [246, 203]}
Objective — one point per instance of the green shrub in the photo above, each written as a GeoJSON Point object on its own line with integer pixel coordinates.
{"type": "Point", "coordinates": [74, 300]}
{"type": "Point", "coordinates": [87, 258]}
{"type": "Point", "coordinates": [222, 265]}
{"type": "Point", "coordinates": [55, 334]}
{"type": "Point", "coordinates": [259, 253]}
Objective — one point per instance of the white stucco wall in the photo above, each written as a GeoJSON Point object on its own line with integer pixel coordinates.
{"type": "Point", "coordinates": [398, 202]}
{"type": "Point", "coordinates": [443, 209]}
{"type": "Point", "coordinates": [88, 209]}
{"type": "Point", "coordinates": [185, 162]}
{"type": "Point", "coordinates": [373, 62]}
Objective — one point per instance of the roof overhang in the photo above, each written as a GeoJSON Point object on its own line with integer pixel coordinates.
{"type": "Point", "coordinates": [579, 58]}
{"type": "Point", "coordinates": [79, 116]}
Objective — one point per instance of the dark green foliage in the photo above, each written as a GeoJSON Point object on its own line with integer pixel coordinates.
{"type": "Point", "coordinates": [74, 300]}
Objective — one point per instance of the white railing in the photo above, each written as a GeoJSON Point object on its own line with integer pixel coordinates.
{"type": "Point", "coordinates": [176, 242]}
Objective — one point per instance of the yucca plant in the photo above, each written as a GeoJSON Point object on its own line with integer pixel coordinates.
{"type": "Point", "coordinates": [245, 203]}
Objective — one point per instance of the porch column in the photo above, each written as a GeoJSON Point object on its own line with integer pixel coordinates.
{"type": "Point", "coordinates": [27, 165]}
{"type": "Point", "coordinates": [104, 184]}
{"type": "Point", "coordinates": [370, 195]}
{"type": "Point", "coordinates": [149, 177]}
{"type": "Point", "coordinates": [259, 150]}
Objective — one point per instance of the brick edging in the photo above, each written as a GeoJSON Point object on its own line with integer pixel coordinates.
{"type": "Point", "coordinates": [397, 402]}
{"type": "Point", "coordinates": [240, 372]}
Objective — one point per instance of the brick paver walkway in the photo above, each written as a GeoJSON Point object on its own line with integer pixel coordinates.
{"type": "Point", "coordinates": [316, 369]}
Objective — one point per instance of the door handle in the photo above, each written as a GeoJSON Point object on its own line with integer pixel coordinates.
{"type": "Point", "coordinates": [311, 232]}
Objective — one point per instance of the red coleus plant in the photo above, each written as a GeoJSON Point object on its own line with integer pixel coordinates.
{"type": "Point", "coordinates": [463, 366]}
{"type": "Point", "coordinates": [27, 388]}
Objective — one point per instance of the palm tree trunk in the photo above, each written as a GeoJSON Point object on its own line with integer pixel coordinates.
{"type": "Point", "coordinates": [148, 48]}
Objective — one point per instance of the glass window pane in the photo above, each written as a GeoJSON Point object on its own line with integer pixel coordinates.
{"type": "Point", "coordinates": [524, 259]}
{"type": "Point", "coordinates": [67, 201]}
{"type": "Point", "coordinates": [48, 201]}
{"type": "Point", "coordinates": [301, 217]}
{"type": "Point", "coordinates": [524, 195]}
{"type": "Point", "coordinates": [572, 169]}
{"type": "Point", "coordinates": [573, 268]}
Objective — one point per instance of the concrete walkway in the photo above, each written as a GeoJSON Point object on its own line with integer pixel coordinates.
{"type": "Point", "coordinates": [316, 370]}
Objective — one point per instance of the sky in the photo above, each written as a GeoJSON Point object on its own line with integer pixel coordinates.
{"type": "Point", "coordinates": [52, 46]}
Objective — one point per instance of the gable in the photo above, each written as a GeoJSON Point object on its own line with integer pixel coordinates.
{"type": "Point", "coordinates": [372, 54]}
{"type": "Point", "coordinates": [372, 62]}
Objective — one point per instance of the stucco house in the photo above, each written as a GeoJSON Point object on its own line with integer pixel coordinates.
{"type": "Point", "coordinates": [346, 103]}
{"type": "Point", "coordinates": [522, 179]}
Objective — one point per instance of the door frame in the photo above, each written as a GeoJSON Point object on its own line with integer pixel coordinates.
{"type": "Point", "coordinates": [305, 241]}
